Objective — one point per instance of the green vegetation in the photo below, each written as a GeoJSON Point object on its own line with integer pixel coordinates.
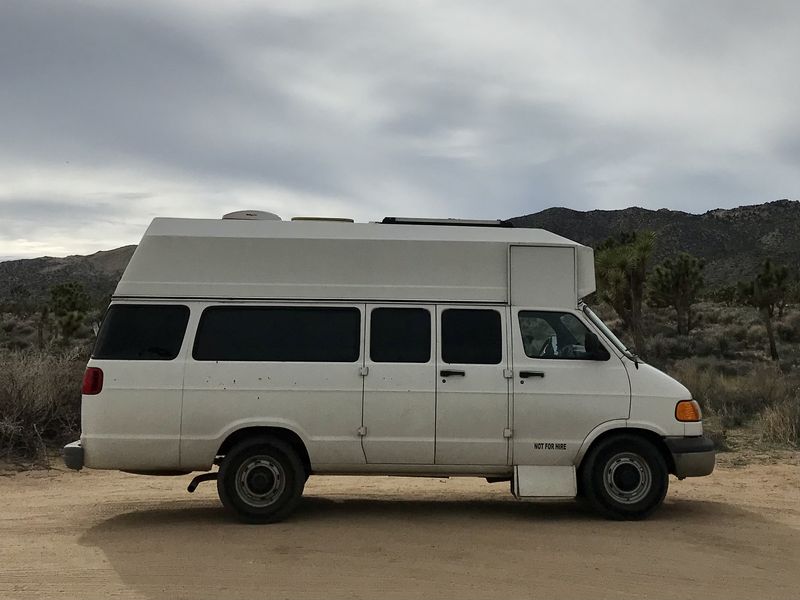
{"type": "Point", "coordinates": [621, 268]}
{"type": "Point", "coordinates": [767, 292]}
{"type": "Point", "coordinates": [677, 284]}
{"type": "Point", "coordinates": [69, 303]}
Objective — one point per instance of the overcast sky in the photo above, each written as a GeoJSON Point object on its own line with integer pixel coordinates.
{"type": "Point", "coordinates": [114, 112]}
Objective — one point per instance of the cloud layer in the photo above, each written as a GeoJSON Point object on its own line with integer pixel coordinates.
{"type": "Point", "coordinates": [112, 113]}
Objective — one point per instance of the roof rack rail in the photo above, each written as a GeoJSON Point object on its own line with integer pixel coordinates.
{"type": "Point", "coordinates": [450, 222]}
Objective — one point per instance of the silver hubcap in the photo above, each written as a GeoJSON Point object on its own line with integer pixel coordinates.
{"type": "Point", "coordinates": [260, 481]}
{"type": "Point", "coordinates": [627, 478]}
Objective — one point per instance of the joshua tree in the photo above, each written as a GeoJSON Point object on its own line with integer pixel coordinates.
{"type": "Point", "coordinates": [621, 264]}
{"type": "Point", "coordinates": [677, 284]}
{"type": "Point", "coordinates": [766, 292]}
{"type": "Point", "coordinates": [69, 303]}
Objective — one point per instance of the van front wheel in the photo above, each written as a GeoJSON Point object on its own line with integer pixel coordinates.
{"type": "Point", "coordinates": [261, 480]}
{"type": "Point", "coordinates": [625, 477]}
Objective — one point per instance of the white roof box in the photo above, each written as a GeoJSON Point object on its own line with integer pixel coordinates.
{"type": "Point", "coordinates": [253, 259]}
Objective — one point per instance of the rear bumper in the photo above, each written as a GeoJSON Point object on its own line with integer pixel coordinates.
{"type": "Point", "coordinates": [73, 455]}
{"type": "Point", "coordinates": [692, 456]}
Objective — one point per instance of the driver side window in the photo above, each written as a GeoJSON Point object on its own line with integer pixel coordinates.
{"type": "Point", "coordinates": [556, 335]}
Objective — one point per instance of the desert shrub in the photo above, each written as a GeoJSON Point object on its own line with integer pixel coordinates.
{"type": "Point", "coordinates": [17, 344]}
{"type": "Point", "coordinates": [703, 346]}
{"type": "Point", "coordinates": [737, 398]}
{"type": "Point", "coordinates": [25, 330]}
{"type": "Point", "coordinates": [737, 332]}
{"type": "Point", "coordinates": [756, 335]}
{"type": "Point", "coordinates": [780, 424]}
{"type": "Point", "coordinates": [788, 329]}
{"type": "Point", "coordinates": [39, 401]}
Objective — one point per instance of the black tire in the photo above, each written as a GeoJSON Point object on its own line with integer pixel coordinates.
{"type": "Point", "coordinates": [261, 480]}
{"type": "Point", "coordinates": [624, 477]}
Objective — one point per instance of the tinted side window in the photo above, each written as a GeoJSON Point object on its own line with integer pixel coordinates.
{"type": "Point", "coordinates": [141, 332]}
{"type": "Point", "coordinates": [276, 333]}
{"type": "Point", "coordinates": [400, 335]}
{"type": "Point", "coordinates": [556, 335]}
{"type": "Point", "coordinates": [471, 336]}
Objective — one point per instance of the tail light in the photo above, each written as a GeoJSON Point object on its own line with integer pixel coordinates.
{"type": "Point", "coordinates": [92, 381]}
{"type": "Point", "coordinates": [688, 411]}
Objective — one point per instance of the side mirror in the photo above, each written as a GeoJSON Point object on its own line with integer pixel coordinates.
{"type": "Point", "coordinates": [594, 348]}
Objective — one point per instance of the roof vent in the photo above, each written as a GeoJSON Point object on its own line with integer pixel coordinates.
{"type": "Point", "coordinates": [334, 219]}
{"type": "Point", "coordinates": [252, 215]}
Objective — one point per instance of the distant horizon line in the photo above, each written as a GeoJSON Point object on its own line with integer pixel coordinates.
{"type": "Point", "coordinates": [11, 257]}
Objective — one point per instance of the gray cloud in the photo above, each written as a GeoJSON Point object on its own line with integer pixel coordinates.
{"type": "Point", "coordinates": [119, 112]}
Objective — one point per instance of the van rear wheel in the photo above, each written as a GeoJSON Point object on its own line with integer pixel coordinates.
{"type": "Point", "coordinates": [261, 480]}
{"type": "Point", "coordinates": [625, 477]}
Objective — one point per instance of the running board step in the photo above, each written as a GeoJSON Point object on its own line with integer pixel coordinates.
{"type": "Point", "coordinates": [544, 483]}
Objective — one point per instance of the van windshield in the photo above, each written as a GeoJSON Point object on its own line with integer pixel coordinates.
{"type": "Point", "coordinates": [608, 333]}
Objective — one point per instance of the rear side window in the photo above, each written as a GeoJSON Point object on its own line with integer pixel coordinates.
{"type": "Point", "coordinates": [400, 335]}
{"type": "Point", "coordinates": [278, 334]}
{"type": "Point", "coordinates": [141, 332]}
{"type": "Point", "coordinates": [471, 336]}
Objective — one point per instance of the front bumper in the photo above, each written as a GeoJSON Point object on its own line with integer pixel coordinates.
{"type": "Point", "coordinates": [692, 456]}
{"type": "Point", "coordinates": [73, 455]}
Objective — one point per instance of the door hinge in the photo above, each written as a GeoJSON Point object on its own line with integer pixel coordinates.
{"type": "Point", "coordinates": [508, 373]}
{"type": "Point", "coordinates": [508, 432]}
{"type": "Point", "coordinates": [363, 371]}
{"type": "Point", "coordinates": [361, 431]}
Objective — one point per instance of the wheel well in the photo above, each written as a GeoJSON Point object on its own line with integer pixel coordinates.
{"type": "Point", "coordinates": [285, 435]}
{"type": "Point", "coordinates": [650, 436]}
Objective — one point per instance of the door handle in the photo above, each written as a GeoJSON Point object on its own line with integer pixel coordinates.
{"type": "Point", "coordinates": [451, 372]}
{"type": "Point", "coordinates": [526, 374]}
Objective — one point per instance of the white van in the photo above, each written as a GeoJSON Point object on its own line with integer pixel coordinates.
{"type": "Point", "coordinates": [278, 350]}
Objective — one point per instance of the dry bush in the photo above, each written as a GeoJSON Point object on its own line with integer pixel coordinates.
{"type": "Point", "coordinates": [788, 329]}
{"type": "Point", "coordinates": [780, 424]}
{"type": "Point", "coordinates": [756, 335]}
{"type": "Point", "coordinates": [39, 401]}
{"type": "Point", "coordinates": [735, 399]}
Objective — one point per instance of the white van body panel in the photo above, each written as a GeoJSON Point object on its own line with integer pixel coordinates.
{"type": "Point", "coordinates": [230, 259]}
{"type": "Point", "coordinates": [321, 402]}
{"type": "Point", "coordinates": [135, 422]}
{"type": "Point", "coordinates": [400, 403]}
{"type": "Point", "coordinates": [544, 483]}
{"type": "Point", "coordinates": [654, 395]}
{"type": "Point", "coordinates": [472, 409]}
{"type": "Point", "coordinates": [548, 275]}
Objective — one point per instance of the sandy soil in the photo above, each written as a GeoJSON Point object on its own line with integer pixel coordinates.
{"type": "Point", "coordinates": [96, 535]}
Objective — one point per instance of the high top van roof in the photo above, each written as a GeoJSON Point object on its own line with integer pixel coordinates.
{"type": "Point", "coordinates": [261, 259]}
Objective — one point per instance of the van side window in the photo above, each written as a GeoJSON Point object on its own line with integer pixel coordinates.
{"type": "Point", "coordinates": [279, 334]}
{"type": "Point", "coordinates": [400, 335]}
{"type": "Point", "coordinates": [471, 336]}
{"type": "Point", "coordinates": [141, 332]}
{"type": "Point", "coordinates": [556, 335]}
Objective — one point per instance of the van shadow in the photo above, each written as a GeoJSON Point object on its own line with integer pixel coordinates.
{"type": "Point", "coordinates": [335, 545]}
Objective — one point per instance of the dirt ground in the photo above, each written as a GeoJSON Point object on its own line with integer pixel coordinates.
{"type": "Point", "coordinates": [94, 535]}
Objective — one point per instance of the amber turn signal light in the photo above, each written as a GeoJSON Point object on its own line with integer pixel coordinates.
{"type": "Point", "coordinates": [688, 411]}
